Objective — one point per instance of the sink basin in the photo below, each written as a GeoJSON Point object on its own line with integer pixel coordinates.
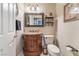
{"type": "Point", "coordinates": [31, 33]}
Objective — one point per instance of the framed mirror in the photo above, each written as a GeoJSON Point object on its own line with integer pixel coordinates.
{"type": "Point", "coordinates": [34, 19]}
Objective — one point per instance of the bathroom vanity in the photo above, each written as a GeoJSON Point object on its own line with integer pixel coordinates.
{"type": "Point", "coordinates": [32, 44]}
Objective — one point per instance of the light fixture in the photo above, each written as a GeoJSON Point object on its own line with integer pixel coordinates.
{"type": "Point", "coordinates": [37, 8]}
{"type": "Point", "coordinates": [27, 7]}
{"type": "Point", "coordinates": [32, 7]}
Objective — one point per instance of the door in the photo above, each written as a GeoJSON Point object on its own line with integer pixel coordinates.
{"type": "Point", "coordinates": [7, 29]}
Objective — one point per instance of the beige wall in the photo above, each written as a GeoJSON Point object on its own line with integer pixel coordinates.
{"type": "Point", "coordinates": [48, 30]}
{"type": "Point", "coordinates": [65, 30]}
{"type": "Point", "coordinates": [72, 33]}
{"type": "Point", "coordinates": [60, 33]}
{"type": "Point", "coordinates": [68, 33]}
{"type": "Point", "coordinates": [46, 8]}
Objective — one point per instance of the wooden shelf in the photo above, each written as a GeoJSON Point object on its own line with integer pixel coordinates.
{"type": "Point", "coordinates": [49, 21]}
{"type": "Point", "coordinates": [48, 17]}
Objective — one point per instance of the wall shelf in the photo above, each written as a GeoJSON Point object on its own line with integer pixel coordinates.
{"type": "Point", "coordinates": [49, 21]}
{"type": "Point", "coordinates": [50, 17]}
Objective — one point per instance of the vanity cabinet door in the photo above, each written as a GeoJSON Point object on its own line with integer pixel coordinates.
{"type": "Point", "coordinates": [37, 42]}
{"type": "Point", "coordinates": [28, 43]}
{"type": "Point", "coordinates": [32, 44]}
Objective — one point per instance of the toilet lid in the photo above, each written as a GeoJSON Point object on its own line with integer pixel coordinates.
{"type": "Point", "coordinates": [53, 48]}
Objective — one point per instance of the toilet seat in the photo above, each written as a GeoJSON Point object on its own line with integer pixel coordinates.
{"type": "Point", "coordinates": [53, 49]}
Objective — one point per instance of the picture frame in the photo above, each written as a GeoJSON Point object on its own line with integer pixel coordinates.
{"type": "Point", "coordinates": [69, 16]}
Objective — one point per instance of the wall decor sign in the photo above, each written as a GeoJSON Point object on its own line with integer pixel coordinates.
{"type": "Point", "coordinates": [70, 12]}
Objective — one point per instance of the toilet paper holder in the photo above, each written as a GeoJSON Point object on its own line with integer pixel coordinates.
{"type": "Point", "coordinates": [73, 50]}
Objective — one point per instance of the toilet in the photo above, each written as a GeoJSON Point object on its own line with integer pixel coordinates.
{"type": "Point", "coordinates": [53, 50]}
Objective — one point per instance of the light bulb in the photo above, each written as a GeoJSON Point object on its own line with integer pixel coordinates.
{"type": "Point", "coordinates": [37, 8]}
{"type": "Point", "coordinates": [28, 8]}
{"type": "Point", "coordinates": [33, 8]}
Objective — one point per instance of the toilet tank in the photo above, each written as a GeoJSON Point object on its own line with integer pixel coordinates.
{"type": "Point", "coordinates": [49, 39]}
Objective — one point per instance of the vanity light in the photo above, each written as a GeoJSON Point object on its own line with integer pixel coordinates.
{"type": "Point", "coordinates": [28, 8]}
{"type": "Point", "coordinates": [38, 9]}
{"type": "Point", "coordinates": [35, 8]}
{"type": "Point", "coordinates": [31, 7]}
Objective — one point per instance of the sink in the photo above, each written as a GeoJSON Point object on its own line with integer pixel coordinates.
{"type": "Point", "coordinates": [32, 33]}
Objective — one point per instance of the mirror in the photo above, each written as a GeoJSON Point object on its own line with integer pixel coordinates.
{"type": "Point", "coordinates": [34, 19]}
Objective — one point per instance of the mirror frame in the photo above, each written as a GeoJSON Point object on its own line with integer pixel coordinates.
{"type": "Point", "coordinates": [42, 14]}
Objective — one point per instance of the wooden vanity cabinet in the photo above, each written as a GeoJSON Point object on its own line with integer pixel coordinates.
{"type": "Point", "coordinates": [32, 45]}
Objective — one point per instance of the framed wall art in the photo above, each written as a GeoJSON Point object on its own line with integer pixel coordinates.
{"type": "Point", "coordinates": [68, 15]}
